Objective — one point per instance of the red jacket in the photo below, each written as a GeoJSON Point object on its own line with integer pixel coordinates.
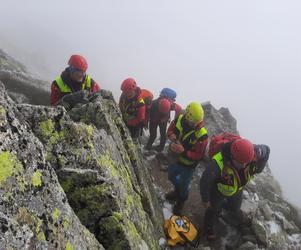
{"type": "Point", "coordinates": [132, 110]}
{"type": "Point", "coordinates": [193, 152]}
{"type": "Point", "coordinates": [56, 93]}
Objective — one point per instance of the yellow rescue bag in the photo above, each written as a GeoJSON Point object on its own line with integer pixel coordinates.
{"type": "Point", "coordinates": [180, 230]}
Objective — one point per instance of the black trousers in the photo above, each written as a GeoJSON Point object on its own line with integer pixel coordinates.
{"type": "Point", "coordinates": [153, 133]}
{"type": "Point", "coordinates": [135, 131]}
{"type": "Point", "coordinates": [219, 201]}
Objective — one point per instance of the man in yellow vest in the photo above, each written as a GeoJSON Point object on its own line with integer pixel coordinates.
{"type": "Point", "coordinates": [189, 140]}
{"type": "Point", "coordinates": [72, 79]}
{"type": "Point", "coordinates": [223, 180]}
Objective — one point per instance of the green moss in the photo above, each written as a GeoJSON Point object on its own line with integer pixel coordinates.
{"type": "Point", "coordinates": [69, 246]}
{"type": "Point", "coordinates": [55, 215]}
{"type": "Point", "coordinates": [49, 157]}
{"type": "Point", "coordinates": [67, 185]}
{"type": "Point", "coordinates": [132, 231]}
{"type": "Point", "coordinates": [36, 179]}
{"type": "Point", "coordinates": [62, 160]}
{"type": "Point", "coordinates": [9, 165]}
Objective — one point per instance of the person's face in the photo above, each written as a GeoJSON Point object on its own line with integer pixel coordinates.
{"type": "Point", "coordinates": [190, 123]}
{"type": "Point", "coordinates": [237, 164]}
{"type": "Point", "coordinates": [77, 75]}
{"type": "Point", "coordinates": [130, 94]}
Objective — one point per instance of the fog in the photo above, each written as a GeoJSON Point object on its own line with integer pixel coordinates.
{"type": "Point", "coordinates": [244, 55]}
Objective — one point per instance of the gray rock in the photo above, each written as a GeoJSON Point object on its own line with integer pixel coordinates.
{"type": "Point", "coordinates": [248, 246]}
{"type": "Point", "coordinates": [102, 172]}
{"type": "Point", "coordinates": [289, 227]}
{"type": "Point", "coordinates": [260, 231]}
{"type": "Point", "coordinates": [217, 122]}
{"type": "Point", "coordinates": [267, 211]}
{"type": "Point", "coordinates": [34, 211]}
{"type": "Point", "coordinates": [249, 207]}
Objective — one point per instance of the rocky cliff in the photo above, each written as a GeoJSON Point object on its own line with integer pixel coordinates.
{"type": "Point", "coordinates": [76, 180]}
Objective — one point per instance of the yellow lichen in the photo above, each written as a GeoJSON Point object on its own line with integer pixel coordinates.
{"type": "Point", "coordinates": [47, 130]}
{"type": "Point", "coordinates": [36, 179]}
{"type": "Point", "coordinates": [66, 223]}
{"type": "Point", "coordinates": [69, 246]}
{"type": "Point", "coordinates": [2, 116]}
{"type": "Point", "coordinates": [105, 160]}
{"type": "Point", "coordinates": [41, 236]}
{"type": "Point", "coordinates": [9, 165]}
{"type": "Point", "coordinates": [56, 213]}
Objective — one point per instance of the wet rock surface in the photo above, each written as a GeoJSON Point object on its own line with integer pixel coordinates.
{"type": "Point", "coordinates": [34, 210]}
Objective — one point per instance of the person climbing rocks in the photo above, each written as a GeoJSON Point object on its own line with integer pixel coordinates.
{"type": "Point", "coordinates": [222, 182]}
{"type": "Point", "coordinates": [132, 107]}
{"type": "Point", "coordinates": [189, 139]}
{"type": "Point", "coordinates": [72, 80]}
{"type": "Point", "coordinates": [159, 116]}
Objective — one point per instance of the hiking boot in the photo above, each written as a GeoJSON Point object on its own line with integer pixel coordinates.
{"type": "Point", "coordinates": [210, 235]}
{"type": "Point", "coordinates": [172, 196]}
{"type": "Point", "coordinates": [177, 209]}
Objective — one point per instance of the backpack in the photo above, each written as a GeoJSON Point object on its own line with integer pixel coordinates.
{"type": "Point", "coordinates": [147, 96]}
{"type": "Point", "coordinates": [169, 93]}
{"type": "Point", "coordinates": [217, 141]}
{"type": "Point", "coordinates": [180, 230]}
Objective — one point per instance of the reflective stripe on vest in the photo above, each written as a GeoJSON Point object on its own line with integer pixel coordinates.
{"type": "Point", "coordinates": [197, 133]}
{"type": "Point", "coordinates": [131, 114]}
{"type": "Point", "coordinates": [64, 88]}
{"type": "Point", "coordinates": [231, 174]}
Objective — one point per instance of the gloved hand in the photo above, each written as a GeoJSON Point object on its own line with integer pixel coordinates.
{"type": "Point", "coordinates": [172, 137]}
{"type": "Point", "coordinates": [177, 148]}
{"type": "Point", "coordinates": [70, 100]}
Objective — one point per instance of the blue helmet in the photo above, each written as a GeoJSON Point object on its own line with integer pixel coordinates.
{"type": "Point", "coordinates": [169, 93]}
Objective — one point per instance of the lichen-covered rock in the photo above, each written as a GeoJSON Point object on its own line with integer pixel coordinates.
{"type": "Point", "coordinates": [102, 172]}
{"type": "Point", "coordinates": [34, 212]}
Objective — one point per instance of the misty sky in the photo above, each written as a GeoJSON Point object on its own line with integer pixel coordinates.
{"type": "Point", "coordinates": [241, 54]}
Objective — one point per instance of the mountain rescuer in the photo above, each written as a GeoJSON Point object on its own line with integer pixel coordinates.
{"type": "Point", "coordinates": [132, 107]}
{"type": "Point", "coordinates": [159, 115]}
{"type": "Point", "coordinates": [188, 142]}
{"type": "Point", "coordinates": [73, 79]}
{"type": "Point", "coordinates": [223, 180]}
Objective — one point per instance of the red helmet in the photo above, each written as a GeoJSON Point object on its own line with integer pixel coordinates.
{"type": "Point", "coordinates": [164, 106]}
{"type": "Point", "coordinates": [128, 84]}
{"type": "Point", "coordinates": [242, 150]}
{"type": "Point", "coordinates": [78, 62]}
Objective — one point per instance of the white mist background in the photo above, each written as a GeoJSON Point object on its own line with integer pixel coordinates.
{"type": "Point", "coordinates": [244, 55]}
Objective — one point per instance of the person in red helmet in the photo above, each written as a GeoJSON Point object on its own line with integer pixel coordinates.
{"type": "Point", "coordinates": [72, 79]}
{"type": "Point", "coordinates": [132, 107]}
{"type": "Point", "coordinates": [222, 182]}
{"type": "Point", "coordinates": [159, 116]}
